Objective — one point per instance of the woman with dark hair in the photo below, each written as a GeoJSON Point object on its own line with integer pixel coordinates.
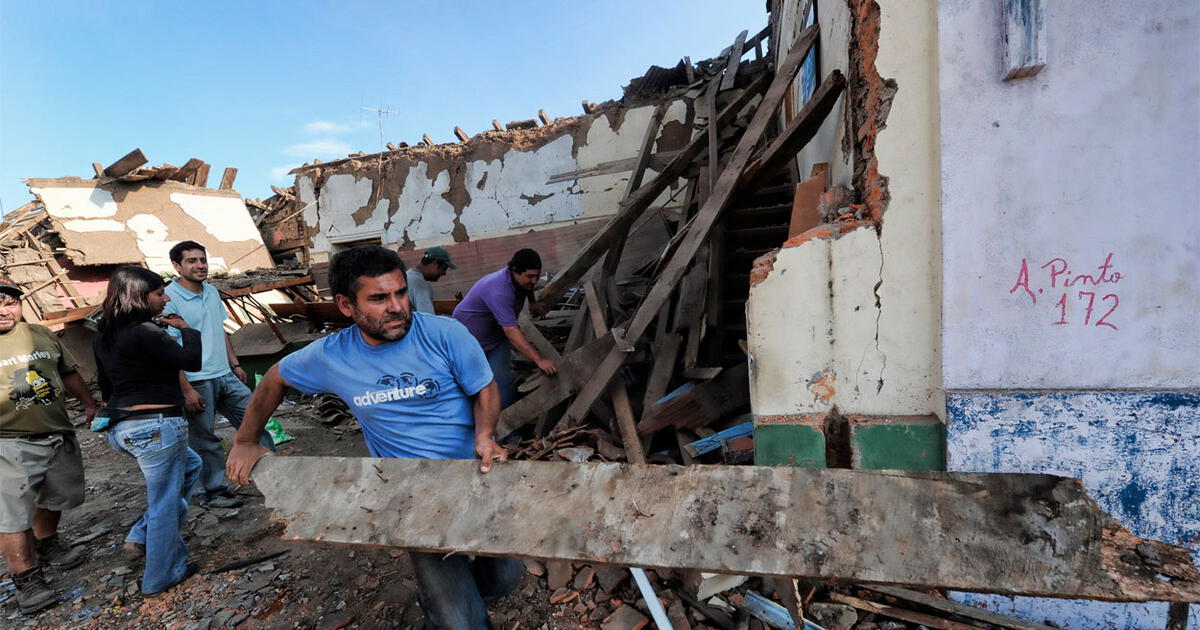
{"type": "Point", "coordinates": [138, 367]}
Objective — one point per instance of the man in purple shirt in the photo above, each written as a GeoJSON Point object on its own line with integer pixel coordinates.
{"type": "Point", "coordinates": [490, 312]}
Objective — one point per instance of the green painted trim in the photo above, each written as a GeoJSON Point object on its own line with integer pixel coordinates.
{"type": "Point", "coordinates": [789, 445]}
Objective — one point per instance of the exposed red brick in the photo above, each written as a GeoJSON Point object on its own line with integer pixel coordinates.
{"type": "Point", "coordinates": [870, 101]}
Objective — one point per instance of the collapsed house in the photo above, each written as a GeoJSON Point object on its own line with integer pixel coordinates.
{"type": "Point", "coordinates": [62, 246]}
{"type": "Point", "coordinates": [850, 268]}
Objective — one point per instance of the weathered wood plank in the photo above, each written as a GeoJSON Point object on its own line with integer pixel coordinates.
{"type": "Point", "coordinates": [1024, 38]}
{"type": "Point", "coordinates": [227, 178]}
{"type": "Point", "coordinates": [574, 370]}
{"type": "Point", "coordinates": [709, 213]}
{"type": "Point", "coordinates": [900, 613]}
{"type": "Point", "coordinates": [187, 170]}
{"type": "Point", "coordinates": [962, 610]}
{"type": "Point", "coordinates": [1017, 534]}
{"type": "Point", "coordinates": [701, 405]}
{"type": "Point", "coordinates": [127, 163]}
{"type": "Point", "coordinates": [798, 132]}
{"type": "Point", "coordinates": [633, 207]}
{"type": "Point", "coordinates": [735, 59]}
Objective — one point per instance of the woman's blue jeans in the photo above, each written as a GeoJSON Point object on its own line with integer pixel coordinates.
{"type": "Point", "coordinates": [171, 469]}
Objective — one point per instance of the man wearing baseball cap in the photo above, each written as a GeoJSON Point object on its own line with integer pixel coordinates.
{"type": "Point", "coordinates": [432, 267]}
{"type": "Point", "coordinates": [41, 471]}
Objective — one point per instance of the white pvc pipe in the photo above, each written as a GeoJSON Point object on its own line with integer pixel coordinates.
{"type": "Point", "coordinates": [655, 606]}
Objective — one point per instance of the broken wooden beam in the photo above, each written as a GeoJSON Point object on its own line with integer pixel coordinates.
{"type": "Point", "coordinates": [956, 608]}
{"type": "Point", "coordinates": [460, 134]}
{"type": "Point", "coordinates": [1014, 534]}
{"type": "Point", "coordinates": [635, 204]}
{"type": "Point", "coordinates": [496, 125]}
{"type": "Point", "coordinates": [899, 613]}
{"type": "Point", "coordinates": [735, 59]}
{"type": "Point", "coordinates": [227, 178]}
{"type": "Point", "coordinates": [803, 127]}
{"type": "Point", "coordinates": [573, 371]}
{"type": "Point", "coordinates": [200, 179]}
{"type": "Point", "coordinates": [127, 163]}
{"type": "Point", "coordinates": [98, 168]}
{"type": "Point", "coordinates": [187, 170]}
{"type": "Point", "coordinates": [704, 220]}
{"type": "Point", "coordinates": [543, 117]}
{"type": "Point", "coordinates": [426, 139]}
{"type": "Point", "coordinates": [702, 404]}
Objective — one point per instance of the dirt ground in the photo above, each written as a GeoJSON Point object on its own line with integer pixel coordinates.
{"type": "Point", "coordinates": [312, 586]}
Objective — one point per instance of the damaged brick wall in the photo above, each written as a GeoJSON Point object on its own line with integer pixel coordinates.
{"type": "Point", "coordinates": [870, 102]}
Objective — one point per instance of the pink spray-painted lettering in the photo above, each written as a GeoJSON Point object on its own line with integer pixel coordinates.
{"type": "Point", "coordinates": [1081, 296]}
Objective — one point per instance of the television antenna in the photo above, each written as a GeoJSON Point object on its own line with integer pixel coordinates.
{"type": "Point", "coordinates": [380, 113]}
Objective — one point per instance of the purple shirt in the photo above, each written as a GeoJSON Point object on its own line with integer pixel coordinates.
{"type": "Point", "coordinates": [493, 303]}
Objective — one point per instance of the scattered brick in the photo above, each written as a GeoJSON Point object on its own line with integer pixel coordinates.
{"type": "Point", "coordinates": [625, 618]}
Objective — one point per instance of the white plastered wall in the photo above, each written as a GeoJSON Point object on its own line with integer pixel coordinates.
{"type": "Point", "coordinates": [514, 196]}
{"type": "Point", "coordinates": [883, 287]}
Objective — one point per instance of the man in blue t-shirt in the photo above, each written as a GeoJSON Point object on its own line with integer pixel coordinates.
{"type": "Point", "coordinates": [420, 386]}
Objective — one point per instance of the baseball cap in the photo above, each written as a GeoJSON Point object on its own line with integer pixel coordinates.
{"type": "Point", "coordinates": [10, 287]}
{"type": "Point", "coordinates": [441, 255]}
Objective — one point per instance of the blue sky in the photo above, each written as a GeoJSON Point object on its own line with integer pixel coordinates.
{"type": "Point", "coordinates": [264, 86]}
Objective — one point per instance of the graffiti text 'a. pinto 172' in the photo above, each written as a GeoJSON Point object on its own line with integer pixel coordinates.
{"type": "Point", "coordinates": [1087, 299]}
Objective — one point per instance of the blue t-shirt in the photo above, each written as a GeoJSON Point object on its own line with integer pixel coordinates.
{"type": "Point", "coordinates": [206, 313]}
{"type": "Point", "coordinates": [412, 396]}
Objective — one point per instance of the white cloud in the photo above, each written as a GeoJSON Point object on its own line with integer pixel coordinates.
{"type": "Point", "coordinates": [280, 173]}
{"type": "Point", "coordinates": [326, 147]}
{"type": "Point", "coordinates": [324, 126]}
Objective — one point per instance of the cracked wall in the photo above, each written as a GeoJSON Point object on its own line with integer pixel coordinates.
{"type": "Point", "coordinates": [848, 318]}
{"type": "Point", "coordinates": [1072, 268]}
{"type": "Point", "coordinates": [494, 185]}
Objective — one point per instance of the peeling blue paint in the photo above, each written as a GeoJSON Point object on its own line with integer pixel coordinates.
{"type": "Point", "coordinates": [1136, 453]}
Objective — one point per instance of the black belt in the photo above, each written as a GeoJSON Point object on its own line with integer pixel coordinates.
{"type": "Point", "coordinates": [147, 414]}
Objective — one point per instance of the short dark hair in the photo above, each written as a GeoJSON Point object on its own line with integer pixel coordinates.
{"type": "Point", "coordinates": [524, 260]}
{"type": "Point", "coordinates": [354, 263]}
{"type": "Point", "coordinates": [182, 246]}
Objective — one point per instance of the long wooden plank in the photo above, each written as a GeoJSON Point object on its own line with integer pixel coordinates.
{"type": "Point", "coordinates": [616, 390]}
{"type": "Point", "coordinates": [962, 610]}
{"type": "Point", "coordinates": [127, 163]}
{"type": "Point", "coordinates": [709, 213]}
{"type": "Point", "coordinates": [701, 405]}
{"type": "Point", "coordinates": [735, 59]}
{"type": "Point", "coordinates": [657, 161]}
{"type": "Point", "coordinates": [613, 258]}
{"type": "Point", "coordinates": [803, 127]}
{"type": "Point", "coordinates": [187, 170]}
{"type": "Point", "coordinates": [574, 370]}
{"type": "Point", "coordinates": [1019, 534]}
{"type": "Point", "coordinates": [637, 203]}
{"type": "Point", "coordinates": [900, 613]}
{"type": "Point", "coordinates": [227, 178]}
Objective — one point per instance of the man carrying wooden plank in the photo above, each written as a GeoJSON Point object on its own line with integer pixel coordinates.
{"type": "Point", "coordinates": [491, 312]}
{"type": "Point", "coordinates": [421, 388]}
{"type": "Point", "coordinates": [432, 267]}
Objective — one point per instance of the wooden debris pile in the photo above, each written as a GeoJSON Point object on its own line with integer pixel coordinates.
{"type": "Point", "coordinates": [659, 360]}
{"type": "Point", "coordinates": [33, 256]}
{"type": "Point", "coordinates": [131, 168]}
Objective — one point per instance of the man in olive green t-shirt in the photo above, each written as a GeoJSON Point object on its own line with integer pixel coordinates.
{"type": "Point", "coordinates": [41, 470]}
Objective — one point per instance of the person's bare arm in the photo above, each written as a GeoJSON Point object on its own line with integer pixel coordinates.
{"type": "Point", "coordinates": [487, 413]}
{"type": "Point", "coordinates": [234, 363]}
{"type": "Point", "coordinates": [522, 344]}
{"type": "Point", "coordinates": [192, 401]}
{"type": "Point", "coordinates": [246, 450]}
{"type": "Point", "coordinates": [73, 383]}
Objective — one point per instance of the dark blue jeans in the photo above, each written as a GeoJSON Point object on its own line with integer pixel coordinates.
{"type": "Point", "coordinates": [500, 360]}
{"type": "Point", "coordinates": [454, 592]}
